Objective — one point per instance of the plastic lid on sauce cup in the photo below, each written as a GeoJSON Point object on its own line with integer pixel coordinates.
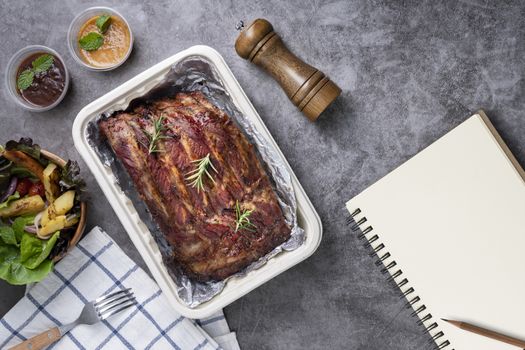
{"type": "Point", "coordinates": [11, 77]}
{"type": "Point", "coordinates": [76, 26]}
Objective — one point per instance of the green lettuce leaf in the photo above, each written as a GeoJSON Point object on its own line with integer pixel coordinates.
{"type": "Point", "coordinates": [9, 199]}
{"type": "Point", "coordinates": [8, 253]}
{"type": "Point", "coordinates": [19, 224]}
{"type": "Point", "coordinates": [33, 250]}
{"type": "Point", "coordinates": [14, 272]}
{"type": "Point", "coordinates": [17, 274]}
{"type": "Point", "coordinates": [8, 235]}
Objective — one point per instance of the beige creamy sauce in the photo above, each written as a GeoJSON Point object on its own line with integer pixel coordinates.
{"type": "Point", "coordinates": [115, 47]}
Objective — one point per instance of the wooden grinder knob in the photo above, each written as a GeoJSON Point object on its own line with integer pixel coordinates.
{"type": "Point", "coordinates": [308, 88]}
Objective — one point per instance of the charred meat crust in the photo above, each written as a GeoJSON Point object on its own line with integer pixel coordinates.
{"type": "Point", "coordinates": [198, 225]}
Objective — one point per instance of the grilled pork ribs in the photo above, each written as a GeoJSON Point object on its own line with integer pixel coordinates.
{"type": "Point", "coordinates": [216, 227]}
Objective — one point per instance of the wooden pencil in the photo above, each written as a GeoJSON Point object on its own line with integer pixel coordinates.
{"type": "Point", "coordinates": [487, 333]}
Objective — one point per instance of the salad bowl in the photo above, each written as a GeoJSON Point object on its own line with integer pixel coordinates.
{"type": "Point", "coordinates": [42, 210]}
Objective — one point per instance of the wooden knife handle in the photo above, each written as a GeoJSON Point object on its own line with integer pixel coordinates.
{"type": "Point", "coordinates": [40, 341]}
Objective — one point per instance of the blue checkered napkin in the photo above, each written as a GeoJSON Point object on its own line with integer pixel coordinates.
{"type": "Point", "coordinates": [98, 266]}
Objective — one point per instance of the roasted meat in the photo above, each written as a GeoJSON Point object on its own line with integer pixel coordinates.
{"type": "Point", "coordinates": [214, 229]}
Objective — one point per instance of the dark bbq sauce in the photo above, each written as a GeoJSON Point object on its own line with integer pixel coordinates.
{"type": "Point", "coordinates": [47, 86]}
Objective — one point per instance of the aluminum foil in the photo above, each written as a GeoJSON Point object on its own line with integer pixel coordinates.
{"type": "Point", "coordinates": [192, 74]}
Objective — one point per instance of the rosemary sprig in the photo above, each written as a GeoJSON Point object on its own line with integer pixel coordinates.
{"type": "Point", "coordinates": [242, 219]}
{"type": "Point", "coordinates": [158, 134]}
{"type": "Point", "coordinates": [196, 176]}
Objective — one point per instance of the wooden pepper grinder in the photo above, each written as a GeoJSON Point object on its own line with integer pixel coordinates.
{"type": "Point", "coordinates": [308, 88]}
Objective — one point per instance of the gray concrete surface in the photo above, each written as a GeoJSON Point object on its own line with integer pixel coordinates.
{"type": "Point", "coordinates": [410, 71]}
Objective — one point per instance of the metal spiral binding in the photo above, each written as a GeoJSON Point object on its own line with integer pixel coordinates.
{"type": "Point", "coordinates": [389, 265]}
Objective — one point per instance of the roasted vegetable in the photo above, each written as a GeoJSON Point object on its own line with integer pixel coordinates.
{"type": "Point", "coordinates": [60, 206]}
{"type": "Point", "coordinates": [23, 160]}
{"type": "Point", "coordinates": [50, 179]}
{"type": "Point", "coordinates": [24, 206]}
{"type": "Point", "coordinates": [26, 145]}
{"type": "Point", "coordinates": [58, 223]}
{"type": "Point", "coordinates": [52, 226]}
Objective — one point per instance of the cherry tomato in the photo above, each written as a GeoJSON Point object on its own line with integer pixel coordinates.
{"type": "Point", "coordinates": [23, 186]}
{"type": "Point", "coordinates": [37, 189]}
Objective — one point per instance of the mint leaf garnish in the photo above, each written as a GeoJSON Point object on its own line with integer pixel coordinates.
{"type": "Point", "coordinates": [103, 23]}
{"type": "Point", "coordinates": [91, 41]}
{"type": "Point", "coordinates": [25, 79]}
{"type": "Point", "coordinates": [43, 63]}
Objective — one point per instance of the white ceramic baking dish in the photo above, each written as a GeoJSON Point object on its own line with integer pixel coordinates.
{"type": "Point", "coordinates": [236, 287]}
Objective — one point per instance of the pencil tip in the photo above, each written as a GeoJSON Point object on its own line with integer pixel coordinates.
{"type": "Point", "coordinates": [452, 322]}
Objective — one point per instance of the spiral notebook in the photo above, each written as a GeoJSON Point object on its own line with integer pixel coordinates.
{"type": "Point", "coordinates": [449, 226]}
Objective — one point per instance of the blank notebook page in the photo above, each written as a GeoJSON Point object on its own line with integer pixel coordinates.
{"type": "Point", "coordinates": [453, 218]}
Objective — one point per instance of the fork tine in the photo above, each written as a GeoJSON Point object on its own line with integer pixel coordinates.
{"type": "Point", "coordinates": [110, 312]}
{"type": "Point", "coordinates": [114, 299]}
{"type": "Point", "coordinates": [100, 311]}
{"type": "Point", "coordinates": [112, 295]}
{"type": "Point", "coordinates": [114, 304]}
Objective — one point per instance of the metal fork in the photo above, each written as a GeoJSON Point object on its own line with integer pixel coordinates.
{"type": "Point", "coordinates": [93, 312]}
